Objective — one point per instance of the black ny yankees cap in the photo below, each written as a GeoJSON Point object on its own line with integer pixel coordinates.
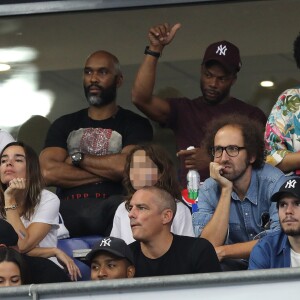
{"type": "Point", "coordinates": [290, 187]}
{"type": "Point", "coordinates": [226, 53]}
{"type": "Point", "coordinates": [112, 245]}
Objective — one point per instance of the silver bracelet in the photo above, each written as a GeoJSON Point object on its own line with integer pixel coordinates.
{"type": "Point", "coordinates": [12, 207]}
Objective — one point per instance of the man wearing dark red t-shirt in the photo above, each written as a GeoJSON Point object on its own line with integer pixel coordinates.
{"type": "Point", "coordinates": [190, 119]}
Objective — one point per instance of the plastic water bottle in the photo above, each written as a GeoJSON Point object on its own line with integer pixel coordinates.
{"type": "Point", "coordinates": [193, 181]}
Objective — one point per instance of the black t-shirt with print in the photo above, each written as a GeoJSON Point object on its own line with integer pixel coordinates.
{"type": "Point", "coordinates": [89, 209]}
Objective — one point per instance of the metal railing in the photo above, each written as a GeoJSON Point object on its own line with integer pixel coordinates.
{"type": "Point", "coordinates": [254, 285]}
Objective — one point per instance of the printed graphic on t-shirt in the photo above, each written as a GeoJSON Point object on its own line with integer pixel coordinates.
{"type": "Point", "coordinates": [95, 141]}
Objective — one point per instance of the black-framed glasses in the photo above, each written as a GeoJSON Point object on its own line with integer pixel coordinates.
{"type": "Point", "coordinates": [231, 150]}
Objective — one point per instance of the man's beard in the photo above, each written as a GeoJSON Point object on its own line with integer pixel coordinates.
{"type": "Point", "coordinates": [234, 176]}
{"type": "Point", "coordinates": [107, 95]}
{"type": "Point", "coordinates": [219, 97]}
{"type": "Point", "coordinates": [290, 231]}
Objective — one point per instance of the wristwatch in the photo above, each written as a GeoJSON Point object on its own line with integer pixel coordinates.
{"type": "Point", "coordinates": [77, 158]}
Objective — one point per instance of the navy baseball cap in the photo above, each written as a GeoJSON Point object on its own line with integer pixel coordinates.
{"type": "Point", "coordinates": [290, 187]}
{"type": "Point", "coordinates": [112, 245]}
{"type": "Point", "coordinates": [225, 53]}
{"type": "Point", "coordinates": [8, 236]}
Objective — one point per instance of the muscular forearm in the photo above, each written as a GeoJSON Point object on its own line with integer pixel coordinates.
{"type": "Point", "coordinates": [108, 166]}
{"type": "Point", "coordinates": [235, 251]}
{"type": "Point", "coordinates": [153, 107]}
{"type": "Point", "coordinates": [66, 176]}
{"type": "Point", "coordinates": [216, 229]}
{"type": "Point", "coordinates": [57, 172]}
{"type": "Point", "coordinates": [157, 109]}
{"type": "Point", "coordinates": [145, 80]}
{"type": "Point", "coordinates": [290, 162]}
{"type": "Point", "coordinates": [159, 36]}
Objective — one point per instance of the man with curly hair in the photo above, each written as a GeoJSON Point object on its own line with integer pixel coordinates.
{"type": "Point", "coordinates": [234, 206]}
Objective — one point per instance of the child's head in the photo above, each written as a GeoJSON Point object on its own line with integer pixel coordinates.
{"type": "Point", "coordinates": [143, 171]}
{"type": "Point", "coordinates": [148, 165]}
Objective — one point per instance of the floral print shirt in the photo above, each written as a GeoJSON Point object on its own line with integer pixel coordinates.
{"type": "Point", "coordinates": [282, 133]}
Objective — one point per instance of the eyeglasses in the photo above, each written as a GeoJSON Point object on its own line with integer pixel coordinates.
{"type": "Point", "coordinates": [231, 150]}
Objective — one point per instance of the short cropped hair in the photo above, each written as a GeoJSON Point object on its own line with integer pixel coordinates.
{"type": "Point", "coordinates": [163, 198]}
{"type": "Point", "coordinates": [252, 132]}
{"type": "Point", "coordinates": [115, 60]}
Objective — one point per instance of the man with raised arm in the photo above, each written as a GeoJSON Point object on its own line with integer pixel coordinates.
{"type": "Point", "coordinates": [189, 118]}
{"type": "Point", "coordinates": [85, 151]}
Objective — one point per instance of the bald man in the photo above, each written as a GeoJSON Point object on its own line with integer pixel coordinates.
{"type": "Point", "coordinates": [156, 250]}
{"type": "Point", "coordinates": [85, 151]}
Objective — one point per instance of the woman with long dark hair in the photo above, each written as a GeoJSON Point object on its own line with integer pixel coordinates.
{"type": "Point", "coordinates": [28, 207]}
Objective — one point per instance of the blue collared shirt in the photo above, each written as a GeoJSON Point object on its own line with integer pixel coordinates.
{"type": "Point", "coordinates": [272, 251]}
{"type": "Point", "coordinates": [245, 220]}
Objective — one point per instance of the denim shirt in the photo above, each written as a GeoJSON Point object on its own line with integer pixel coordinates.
{"type": "Point", "coordinates": [272, 251]}
{"type": "Point", "coordinates": [245, 220]}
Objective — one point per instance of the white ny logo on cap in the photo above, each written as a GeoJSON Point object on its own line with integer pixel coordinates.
{"type": "Point", "coordinates": [105, 242]}
{"type": "Point", "coordinates": [290, 184]}
{"type": "Point", "coordinates": [221, 50]}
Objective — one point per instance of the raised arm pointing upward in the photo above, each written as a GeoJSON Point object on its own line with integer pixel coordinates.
{"type": "Point", "coordinates": [189, 118]}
